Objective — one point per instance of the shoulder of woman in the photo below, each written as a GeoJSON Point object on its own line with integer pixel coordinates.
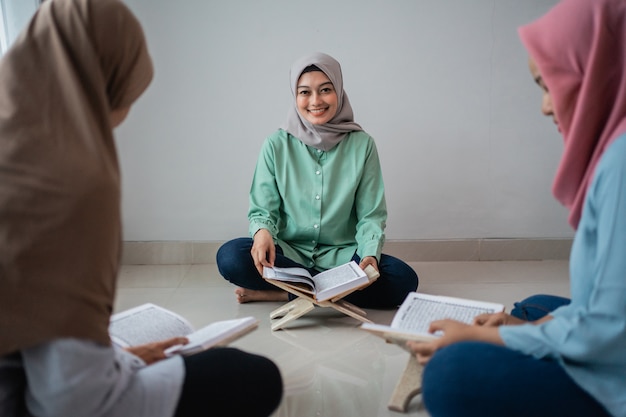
{"type": "Point", "coordinates": [276, 135]}
{"type": "Point", "coordinates": [361, 135]}
{"type": "Point", "coordinates": [281, 142]}
{"type": "Point", "coordinates": [274, 138]}
{"type": "Point", "coordinates": [610, 173]}
{"type": "Point", "coordinates": [281, 138]}
{"type": "Point", "coordinates": [361, 140]}
{"type": "Point", "coordinates": [615, 154]}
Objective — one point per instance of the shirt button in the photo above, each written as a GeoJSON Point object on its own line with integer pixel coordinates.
{"type": "Point", "coordinates": [317, 197]}
{"type": "Point", "coordinates": [315, 226]}
{"type": "Point", "coordinates": [313, 242]}
{"type": "Point", "coordinates": [317, 172]}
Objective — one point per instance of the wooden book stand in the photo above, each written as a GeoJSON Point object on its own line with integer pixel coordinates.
{"type": "Point", "coordinates": [305, 303]}
{"type": "Point", "coordinates": [409, 385]}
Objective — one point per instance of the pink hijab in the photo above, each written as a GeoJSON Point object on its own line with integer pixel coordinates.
{"type": "Point", "coordinates": [580, 50]}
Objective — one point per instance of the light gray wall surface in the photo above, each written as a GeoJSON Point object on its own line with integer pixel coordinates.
{"type": "Point", "coordinates": [442, 85]}
{"type": "Point", "coordinates": [16, 14]}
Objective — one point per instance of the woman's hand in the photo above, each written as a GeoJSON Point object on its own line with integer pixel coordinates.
{"type": "Point", "coordinates": [502, 319]}
{"type": "Point", "coordinates": [496, 319]}
{"type": "Point", "coordinates": [263, 250]}
{"type": "Point", "coordinates": [369, 260]}
{"type": "Point", "coordinates": [154, 352]}
{"type": "Point", "coordinates": [453, 332]}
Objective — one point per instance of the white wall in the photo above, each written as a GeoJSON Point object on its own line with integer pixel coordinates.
{"type": "Point", "coordinates": [442, 85]}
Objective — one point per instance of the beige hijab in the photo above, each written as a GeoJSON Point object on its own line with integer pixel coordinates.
{"type": "Point", "coordinates": [60, 228]}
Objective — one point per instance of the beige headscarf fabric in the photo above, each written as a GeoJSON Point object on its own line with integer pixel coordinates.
{"type": "Point", "coordinates": [60, 232]}
{"type": "Point", "coordinates": [325, 136]}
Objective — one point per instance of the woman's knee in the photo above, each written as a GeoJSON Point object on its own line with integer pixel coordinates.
{"type": "Point", "coordinates": [223, 376]}
{"type": "Point", "coordinates": [446, 362]}
{"type": "Point", "coordinates": [445, 377]}
{"type": "Point", "coordinates": [399, 273]}
{"type": "Point", "coordinates": [232, 256]}
{"type": "Point", "coordinates": [537, 306]}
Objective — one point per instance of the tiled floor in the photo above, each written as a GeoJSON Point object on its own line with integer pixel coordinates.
{"type": "Point", "coordinates": [330, 367]}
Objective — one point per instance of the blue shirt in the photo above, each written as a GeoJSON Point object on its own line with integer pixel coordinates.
{"type": "Point", "coordinates": [588, 336]}
{"type": "Point", "coordinates": [320, 206]}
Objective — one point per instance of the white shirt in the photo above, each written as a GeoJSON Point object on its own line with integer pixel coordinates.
{"type": "Point", "coordinates": [71, 377]}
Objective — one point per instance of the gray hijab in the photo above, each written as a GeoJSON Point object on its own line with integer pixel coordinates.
{"type": "Point", "coordinates": [325, 136]}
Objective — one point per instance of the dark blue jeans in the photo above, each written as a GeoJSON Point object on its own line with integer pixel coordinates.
{"type": "Point", "coordinates": [474, 379]}
{"type": "Point", "coordinates": [396, 279]}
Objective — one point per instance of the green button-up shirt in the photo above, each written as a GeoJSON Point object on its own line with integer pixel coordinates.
{"type": "Point", "coordinates": [320, 206]}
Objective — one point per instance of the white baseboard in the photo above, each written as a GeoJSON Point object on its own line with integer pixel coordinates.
{"type": "Point", "coordinates": [191, 252]}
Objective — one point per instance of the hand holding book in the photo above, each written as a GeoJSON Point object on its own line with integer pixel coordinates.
{"type": "Point", "coordinates": [330, 284]}
{"type": "Point", "coordinates": [418, 312]}
{"type": "Point", "coordinates": [155, 351]}
{"type": "Point", "coordinates": [497, 319]}
{"type": "Point", "coordinates": [452, 331]}
{"type": "Point", "coordinates": [150, 328]}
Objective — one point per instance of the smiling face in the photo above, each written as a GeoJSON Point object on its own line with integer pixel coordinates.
{"type": "Point", "coordinates": [547, 107]}
{"type": "Point", "coordinates": [316, 97]}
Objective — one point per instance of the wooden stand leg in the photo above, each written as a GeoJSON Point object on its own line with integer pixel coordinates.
{"type": "Point", "coordinates": [409, 385]}
{"type": "Point", "coordinates": [290, 311]}
{"type": "Point", "coordinates": [348, 309]}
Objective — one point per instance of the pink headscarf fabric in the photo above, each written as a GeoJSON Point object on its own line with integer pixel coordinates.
{"type": "Point", "coordinates": [579, 48]}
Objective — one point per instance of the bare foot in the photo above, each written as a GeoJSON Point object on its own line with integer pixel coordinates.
{"type": "Point", "coordinates": [245, 295]}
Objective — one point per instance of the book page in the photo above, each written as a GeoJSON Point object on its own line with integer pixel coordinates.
{"type": "Point", "coordinates": [214, 334]}
{"type": "Point", "coordinates": [419, 310]}
{"type": "Point", "coordinates": [299, 275]}
{"type": "Point", "coordinates": [146, 324]}
{"type": "Point", "coordinates": [414, 316]}
{"type": "Point", "coordinates": [339, 279]}
{"type": "Point", "coordinates": [398, 337]}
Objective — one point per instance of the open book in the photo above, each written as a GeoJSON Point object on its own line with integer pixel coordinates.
{"type": "Point", "coordinates": [417, 311]}
{"type": "Point", "coordinates": [149, 323]}
{"type": "Point", "coordinates": [331, 283]}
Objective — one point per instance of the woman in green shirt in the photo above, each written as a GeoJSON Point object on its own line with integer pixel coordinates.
{"type": "Point", "coordinates": [317, 198]}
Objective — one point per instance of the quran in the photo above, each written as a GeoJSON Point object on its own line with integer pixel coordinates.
{"type": "Point", "coordinates": [330, 284]}
{"type": "Point", "coordinates": [149, 323]}
{"type": "Point", "coordinates": [413, 318]}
